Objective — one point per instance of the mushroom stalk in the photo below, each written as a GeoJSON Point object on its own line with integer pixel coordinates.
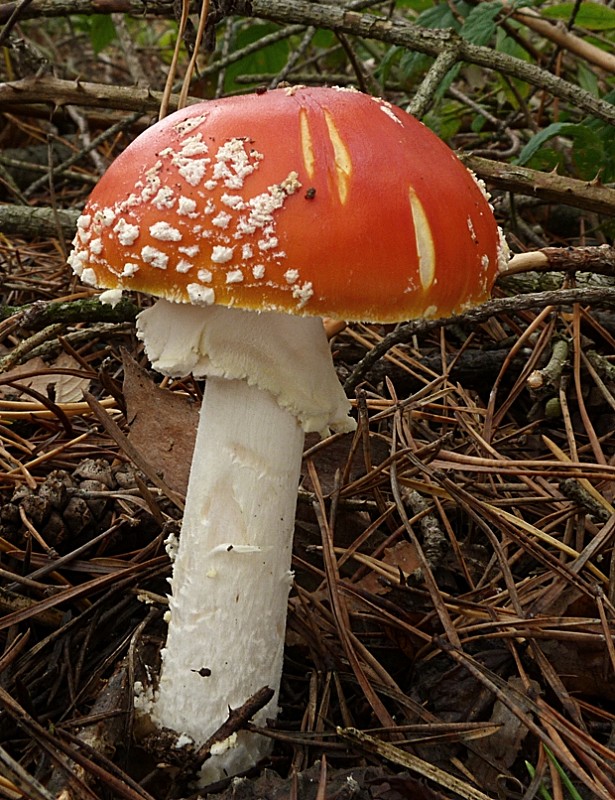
{"type": "Point", "coordinates": [232, 575]}
{"type": "Point", "coordinates": [270, 379]}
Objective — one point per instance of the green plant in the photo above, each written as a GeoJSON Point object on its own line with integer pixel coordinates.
{"type": "Point", "coordinates": [568, 785]}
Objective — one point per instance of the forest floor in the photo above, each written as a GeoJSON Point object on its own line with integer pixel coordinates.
{"type": "Point", "coordinates": [453, 559]}
{"type": "Point", "coordinates": [450, 628]}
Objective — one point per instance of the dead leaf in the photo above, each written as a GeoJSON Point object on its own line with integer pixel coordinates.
{"type": "Point", "coordinates": [396, 563]}
{"type": "Point", "coordinates": [33, 365]}
{"type": "Point", "coordinates": [68, 388]}
{"type": "Point", "coordinates": [583, 667]}
{"type": "Point", "coordinates": [60, 388]}
{"type": "Point", "coordinates": [502, 748]}
{"type": "Point", "coordinates": [402, 556]}
{"type": "Point", "coordinates": [162, 425]}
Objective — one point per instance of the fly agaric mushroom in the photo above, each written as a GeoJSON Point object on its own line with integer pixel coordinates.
{"type": "Point", "coordinates": [252, 217]}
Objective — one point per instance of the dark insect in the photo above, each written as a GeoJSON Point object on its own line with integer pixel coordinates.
{"type": "Point", "coordinates": [204, 672]}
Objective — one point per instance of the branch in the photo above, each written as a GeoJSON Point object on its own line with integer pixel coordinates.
{"type": "Point", "coordinates": [35, 223]}
{"type": "Point", "coordinates": [398, 32]}
{"type": "Point", "coordinates": [63, 8]}
{"type": "Point", "coordinates": [492, 308]}
{"type": "Point", "coordinates": [428, 41]}
{"type": "Point", "coordinates": [41, 314]}
{"type": "Point", "coordinates": [58, 92]}
{"type": "Point", "coordinates": [547, 186]}
{"type": "Point", "coordinates": [599, 260]}
{"type": "Point", "coordinates": [563, 38]}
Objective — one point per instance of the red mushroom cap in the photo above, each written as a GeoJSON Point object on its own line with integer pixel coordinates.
{"type": "Point", "coordinates": [304, 200]}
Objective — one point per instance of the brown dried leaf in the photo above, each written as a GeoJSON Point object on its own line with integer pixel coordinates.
{"type": "Point", "coordinates": [502, 748]}
{"type": "Point", "coordinates": [582, 667]}
{"type": "Point", "coordinates": [402, 556]}
{"type": "Point", "coordinates": [62, 388]}
{"type": "Point", "coordinates": [68, 388]}
{"type": "Point", "coordinates": [15, 374]}
{"type": "Point", "coordinates": [162, 425]}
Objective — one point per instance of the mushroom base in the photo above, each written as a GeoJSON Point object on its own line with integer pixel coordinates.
{"type": "Point", "coordinates": [232, 575]}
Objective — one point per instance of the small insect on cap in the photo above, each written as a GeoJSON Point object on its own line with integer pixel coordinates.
{"type": "Point", "coordinates": [312, 201]}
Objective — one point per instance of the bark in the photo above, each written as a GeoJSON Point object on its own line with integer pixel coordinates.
{"type": "Point", "coordinates": [34, 223]}
{"type": "Point", "coordinates": [548, 186]}
{"type": "Point", "coordinates": [342, 20]}
{"type": "Point", "coordinates": [58, 92]}
{"type": "Point", "coordinates": [599, 260]}
{"type": "Point", "coordinates": [35, 316]}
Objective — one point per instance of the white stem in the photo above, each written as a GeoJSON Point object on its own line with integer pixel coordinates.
{"type": "Point", "coordinates": [269, 378]}
{"type": "Point", "coordinates": [232, 573]}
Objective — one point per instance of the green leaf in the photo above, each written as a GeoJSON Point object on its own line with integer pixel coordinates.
{"type": "Point", "coordinates": [589, 155]}
{"type": "Point", "coordinates": [440, 16]}
{"type": "Point", "coordinates": [536, 142]}
{"type": "Point", "coordinates": [324, 38]}
{"type": "Point", "coordinates": [414, 5]}
{"type": "Point", "coordinates": [508, 44]}
{"type": "Point", "coordinates": [446, 120]}
{"type": "Point", "coordinates": [542, 790]}
{"type": "Point", "coordinates": [387, 62]}
{"type": "Point", "coordinates": [547, 160]}
{"type": "Point", "coordinates": [606, 135]}
{"type": "Point", "coordinates": [588, 79]}
{"type": "Point", "coordinates": [102, 31]}
{"type": "Point", "coordinates": [477, 123]}
{"type": "Point", "coordinates": [565, 779]}
{"type": "Point", "coordinates": [269, 60]}
{"type": "Point", "coordinates": [412, 63]}
{"type": "Point", "coordinates": [480, 24]}
{"type": "Point", "coordinates": [99, 28]}
{"type": "Point", "coordinates": [593, 16]}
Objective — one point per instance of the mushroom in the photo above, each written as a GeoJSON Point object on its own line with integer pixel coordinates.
{"type": "Point", "coordinates": [252, 218]}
